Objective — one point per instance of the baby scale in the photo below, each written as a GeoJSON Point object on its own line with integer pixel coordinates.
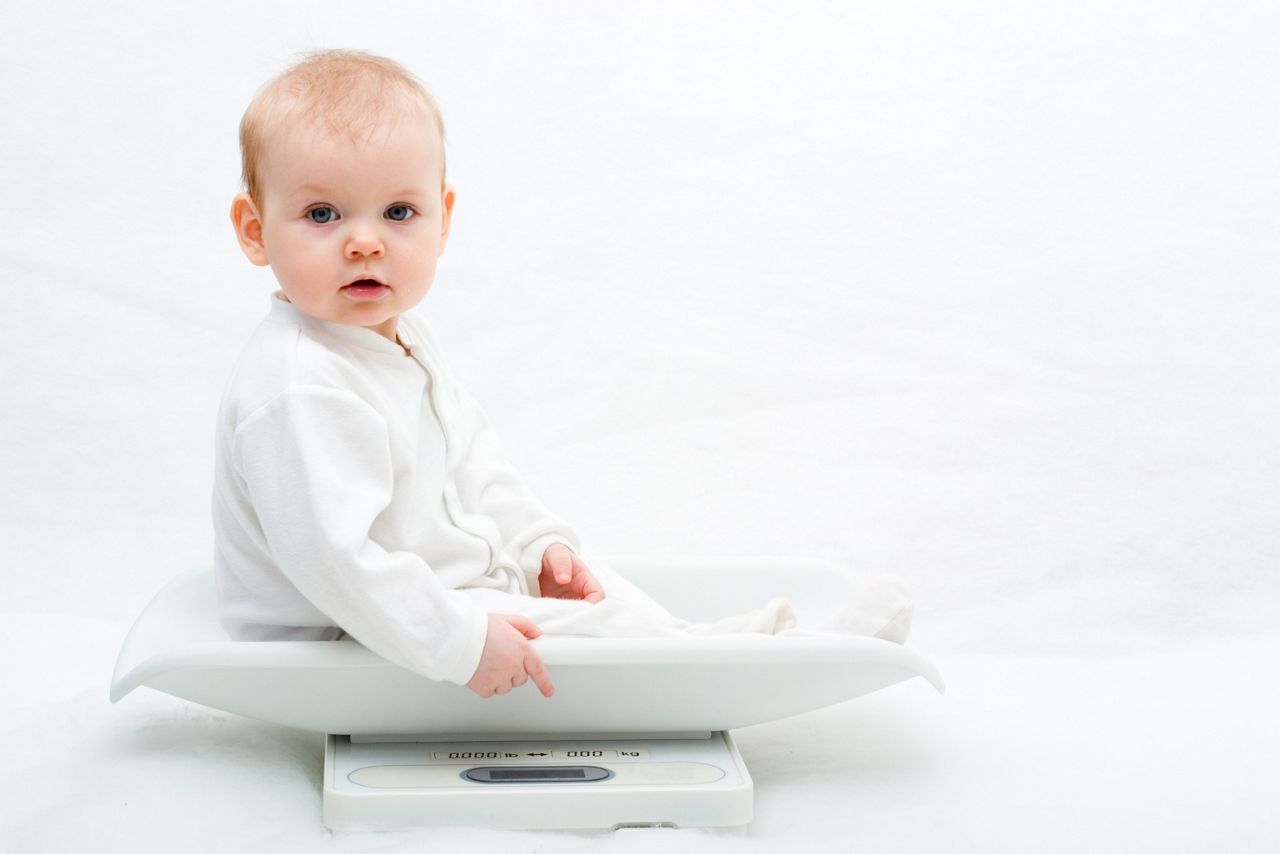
{"type": "Point", "coordinates": [637, 733]}
{"type": "Point", "coordinates": [681, 780]}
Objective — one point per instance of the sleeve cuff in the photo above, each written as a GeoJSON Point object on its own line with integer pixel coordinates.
{"type": "Point", "coordinates": [469, 661]}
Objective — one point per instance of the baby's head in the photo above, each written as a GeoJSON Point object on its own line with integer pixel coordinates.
{"type": "Point", "coordinates": [343, 158]}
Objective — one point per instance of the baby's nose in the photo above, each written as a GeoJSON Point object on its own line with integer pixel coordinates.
{"type": "Point", "coordinates": [362, 245]}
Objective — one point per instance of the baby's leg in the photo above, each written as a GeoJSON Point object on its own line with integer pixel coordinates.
{"type": "Point", "coordinates": [626, 611]}
{"type": "Point", "coordinates": [879, 606]}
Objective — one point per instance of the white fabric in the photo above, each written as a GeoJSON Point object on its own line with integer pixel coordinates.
{"type": "Point", "coordinates": [358, 489]}
{"type": "Point", "coordinates": [626, 611]}
{"type": "Point", "coordinates": [879, 606]}
{"type": "Point", "coordinates": [356, 486]}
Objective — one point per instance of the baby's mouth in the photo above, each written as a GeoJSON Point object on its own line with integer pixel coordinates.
{"type": "Point", "coordinates": [365, 288]}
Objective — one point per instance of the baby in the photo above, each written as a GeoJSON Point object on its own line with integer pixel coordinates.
{"type": "Point", "coordinates": [358, 489]}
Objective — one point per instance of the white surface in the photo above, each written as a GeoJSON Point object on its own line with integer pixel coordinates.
{"type": "Point", "coordinates": [602, 685]}
{"type": "Point", "coordinates": [983, 295]}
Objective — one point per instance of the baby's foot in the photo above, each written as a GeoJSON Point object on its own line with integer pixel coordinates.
{"type": "Point", "coordinates": [880, 607]}
{"type": "Point", "coordinates": [776, 616]}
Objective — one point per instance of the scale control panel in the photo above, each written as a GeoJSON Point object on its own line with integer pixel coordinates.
{"type": "Point", "coordinates": [469, 753]}
{"type": "Point", "coordinates": [381, 783]}
{"type": "Point", "coordinates": [434, 765]}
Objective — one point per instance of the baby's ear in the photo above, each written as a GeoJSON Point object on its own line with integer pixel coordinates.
{"type": "Point", "coordinates": [446, 213]}
{"type": "Point", "coordinates": [248, 225]}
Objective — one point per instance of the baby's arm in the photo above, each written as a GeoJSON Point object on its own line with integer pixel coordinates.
{"type": "Point", "coordinates": [489, 483]}
{"type": "Point", "coordinates": [317, 465]}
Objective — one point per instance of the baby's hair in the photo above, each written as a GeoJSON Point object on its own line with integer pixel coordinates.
{"type": "Point", "coordinates": [342, 91]}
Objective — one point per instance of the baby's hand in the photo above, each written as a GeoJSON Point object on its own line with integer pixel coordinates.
{"type": "Point", "coordinates": [565, 576]}
{"type": "Point", "coordinates": [508, 661]}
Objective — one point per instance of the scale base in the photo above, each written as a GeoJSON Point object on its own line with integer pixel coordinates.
{"type": "Point", "coordinates": [535, 783]}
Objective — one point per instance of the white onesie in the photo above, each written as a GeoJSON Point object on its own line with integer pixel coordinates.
{"type": "Point", "coordinates": [359, 488]}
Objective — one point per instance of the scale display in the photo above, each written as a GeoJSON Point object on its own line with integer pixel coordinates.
{"type": "Point", "coordinates": [572, 774]}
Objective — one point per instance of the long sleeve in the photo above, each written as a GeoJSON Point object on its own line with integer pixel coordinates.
{"type": "Point", "coordinates": [316, 462]}
{"type": "Point", "coordinates": [488, 482]}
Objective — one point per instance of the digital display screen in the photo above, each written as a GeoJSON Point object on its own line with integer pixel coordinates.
{"type": "Point", "coordinates": [537, 774]}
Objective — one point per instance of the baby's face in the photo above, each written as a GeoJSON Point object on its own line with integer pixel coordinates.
{"type": "Point", "coordinates": [336, 212]}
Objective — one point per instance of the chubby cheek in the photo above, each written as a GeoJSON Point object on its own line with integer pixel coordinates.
{"type": "Point", "coordinates": [297, 262]}
{"type": "Point", "coordinates": [414, 253]}
{"type": "Point", "coordinates": [425, 266]}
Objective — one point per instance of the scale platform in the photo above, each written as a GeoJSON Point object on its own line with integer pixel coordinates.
{"type": "Point", "coordinates": [613, 695]}
{"type": "Point", "coordinates": [594, 782]}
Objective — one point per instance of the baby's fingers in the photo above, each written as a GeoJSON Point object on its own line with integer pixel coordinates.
{"type": "Point", "coordinates": [590, 588]}
{"type": "Point", "coordinates": [522, 624]}
{"type": "Point", "coordinates": [562, 561]}
{"type": "Point", "coordinates": [538, 673]}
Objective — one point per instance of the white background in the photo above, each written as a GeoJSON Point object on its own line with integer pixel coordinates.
{"type": "Point", "coordinates": [982, 294]}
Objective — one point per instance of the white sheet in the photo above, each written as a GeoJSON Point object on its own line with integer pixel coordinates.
{"type": "Point", "coordinates": [983, 296]}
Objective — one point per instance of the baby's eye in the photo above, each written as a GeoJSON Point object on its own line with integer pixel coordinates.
{"type": "Point", "coordinates": [399, 213]}
{"type": "Point", "coordinates": [322, 215]}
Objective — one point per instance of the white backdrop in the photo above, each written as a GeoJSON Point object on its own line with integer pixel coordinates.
{"type": "Point", "coordinates": [984, 295]}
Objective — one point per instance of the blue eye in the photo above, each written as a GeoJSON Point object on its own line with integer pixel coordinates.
{"type": "Point", "coordinates": [399, 213]}
{"type": "Point", "coordinates": [322, 215]}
